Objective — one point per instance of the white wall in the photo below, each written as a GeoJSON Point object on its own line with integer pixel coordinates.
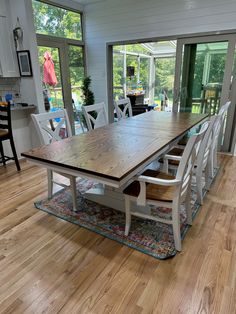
{"type": "Point", "coordinates": [31, 87]}
{"type": "Point", "coordinates": [113, 20]}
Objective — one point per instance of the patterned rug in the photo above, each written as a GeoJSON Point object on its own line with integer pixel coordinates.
{"type": "Point", "coordinates": [147, 236]}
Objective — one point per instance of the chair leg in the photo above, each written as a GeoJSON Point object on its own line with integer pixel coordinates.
{"type": "Point", "coordinates": [15, 154]}
{"type": "Point", "coordinates": [176, 227]}
{"type": "Point", "coordinates": [127, 215]}
{"type": "Point", "coordinates": [50, 183]}
{"type": "Point", "coordinates": [2, 154]}
{"type": "Point", "coordinates": [73, 192]}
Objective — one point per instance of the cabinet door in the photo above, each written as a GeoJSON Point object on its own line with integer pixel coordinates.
{"type": "Point", "coordinates": [3, 9]}
{"type": "Point", "coordinates": [8, 59]}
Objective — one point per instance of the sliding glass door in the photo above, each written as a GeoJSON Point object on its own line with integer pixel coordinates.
{"type": "Point", "coordinates": [203, 77]}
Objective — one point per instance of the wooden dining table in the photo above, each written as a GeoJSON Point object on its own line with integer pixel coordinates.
{"type": "Point", "coordinates": [112, 155]}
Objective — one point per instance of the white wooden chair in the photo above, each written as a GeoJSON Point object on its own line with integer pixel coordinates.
{"type": "Point", "coordinates": [100, 120]}
{"type": "Point", "coordinates": [50, 130]}
{"type": "Point", "coordinates": [123, 108]}
{"type": "Point", "coordinates": [218, 129]}
{"type": "Point", "coordinates": [164, 190]}
{"type": "Point", "coordinates": [201, 169]}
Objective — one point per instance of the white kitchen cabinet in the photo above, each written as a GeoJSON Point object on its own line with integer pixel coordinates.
{"type": "Point", "coordinates": [3, 9]}
{"type": "Point", "coordinates": [8, 58]}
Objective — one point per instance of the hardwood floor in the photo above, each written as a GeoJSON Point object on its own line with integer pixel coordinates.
{"type": "Point", "coordinates": [51, 266]}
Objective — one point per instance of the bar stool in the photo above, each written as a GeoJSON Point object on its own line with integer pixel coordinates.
{"type": "Point", "coordinates": [6, 134]}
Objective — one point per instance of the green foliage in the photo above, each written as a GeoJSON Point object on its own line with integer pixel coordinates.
{"type": "Point", "coordinates": [88, 95]}
{"type": "Point", "coordinates": [131, 60]}
{"type": "Point", "coordinates": [164, 76]}
{"type": "Point", "coordinates": [55, 21]}
{"type": "Point", "coordinates": [216, 71]}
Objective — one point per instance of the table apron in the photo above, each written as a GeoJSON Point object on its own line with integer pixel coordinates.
{"type": "Point", "coordinates": [97, 178]}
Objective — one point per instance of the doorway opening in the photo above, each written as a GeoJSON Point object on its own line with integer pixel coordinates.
{"type": "Point", "coordinates": [194, 75]}
{"type": "Point", "coordinates": [145, 73]}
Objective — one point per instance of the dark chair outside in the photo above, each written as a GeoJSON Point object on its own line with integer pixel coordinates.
{"type": "Point", "coordinates": [6, 134]}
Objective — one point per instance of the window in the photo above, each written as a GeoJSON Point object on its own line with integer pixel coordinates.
{"type": "Point", "coordinates": [55, 21]}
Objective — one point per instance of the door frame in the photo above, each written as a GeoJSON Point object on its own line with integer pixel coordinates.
{"type": "Point", "coordinates": [231, 39]}
{"type": "Point", "coordinates": [63, 47]}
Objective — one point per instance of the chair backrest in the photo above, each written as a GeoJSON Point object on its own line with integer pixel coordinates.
{"type": "Point", "coordinates": [5, 117]}
{"type": "Point", "coordinates": [101, 116]}
{"type": "Point", "coordinates": [184, 172]}
{"type": "Point", "coordinates": [219, 125]}
{"type": "Point", "coordinates": [123, 108]}
{"type": "Point", "coordinates": [206, 143]}
{"type": "Point", "coordinates": [224, 108]}
{"type": "Point", "coordinates": [52, 126]}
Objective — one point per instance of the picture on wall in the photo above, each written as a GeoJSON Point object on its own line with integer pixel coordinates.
{"type": "Point", "coordinates": [24, 62]}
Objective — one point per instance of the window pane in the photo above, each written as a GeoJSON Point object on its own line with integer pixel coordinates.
{"type": "Point", "coordinates": [54, 92]}
{"type": "Point", "coordinates": [132, 80]}
{"type": "Point", "coordinates": [55, 21]}
{"type": "Point", "coordinates": [118, 75]}
{"type": "Point", "coordinates": [144, 75]}
{"type": "Point", "coordinates": [76, 67]}
{"type": "Point", "coordinates": [164, 82]}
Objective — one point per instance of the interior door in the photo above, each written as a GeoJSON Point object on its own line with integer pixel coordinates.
{"type": "Point", "coordinates": [203, 77]}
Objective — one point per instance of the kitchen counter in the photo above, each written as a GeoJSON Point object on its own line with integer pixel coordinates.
{"type": "Point", "coordinates": [16, 108]}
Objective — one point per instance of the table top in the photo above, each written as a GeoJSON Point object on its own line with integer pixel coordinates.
{"type": "Point", "coordinates": [116, 150]}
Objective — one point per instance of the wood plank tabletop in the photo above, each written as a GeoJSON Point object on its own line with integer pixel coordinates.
{"type": "Point", "coordinates": [114, 151]}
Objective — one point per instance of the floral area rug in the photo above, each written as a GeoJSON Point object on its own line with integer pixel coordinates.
{"type": "Point", "coordinates": [150, 237]}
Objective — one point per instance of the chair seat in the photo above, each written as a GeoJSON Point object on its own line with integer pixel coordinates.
{"type": "Point", "coordinates": [154, 191]}
{"type": "Point", "coordinates": [176, 151]}
{"type": "Point", "coordinates": [3, 133]}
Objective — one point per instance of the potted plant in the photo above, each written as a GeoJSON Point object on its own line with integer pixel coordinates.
{"type": "Point", "coordinates": [87, 93]}
{"type": "Point", "coordinates": [88, 97]}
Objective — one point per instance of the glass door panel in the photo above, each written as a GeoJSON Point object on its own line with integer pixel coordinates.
{"type": "Point", "coordinates": [203, 79]}
{"type": "Point", "coordinates": [119, 84]}
{"type": "Point", "coordinates": [52, 92]}
{"type": "Point", "coordinates": [164, 82]}
{"type": "Point", "coordinates": [76, 69]}
{"type": "Point", "coordinates": [203, 70]}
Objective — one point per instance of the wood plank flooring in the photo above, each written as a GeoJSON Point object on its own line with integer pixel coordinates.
{"type": "Point", "coordinates": [51, 266]}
